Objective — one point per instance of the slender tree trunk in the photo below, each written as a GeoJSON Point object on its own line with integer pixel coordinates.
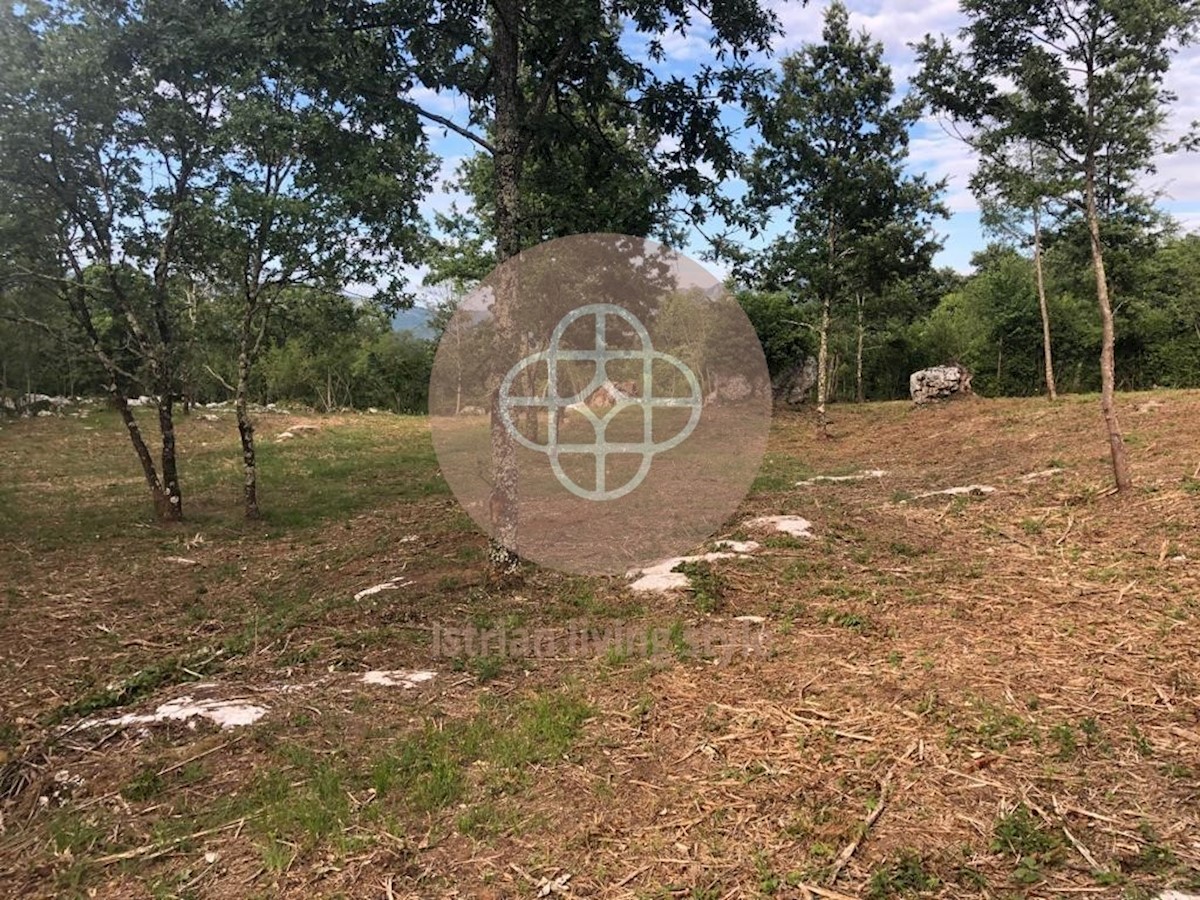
{"type": "Point", "coordinates": [1108, 408]}
{"type": "Point", "coordinates": [458, 371]}
{"type": "Point", "coordinates": [1047, 347]}
{"type": "Point", "coordinates": [170, 474]}
{"type": "Point", "coordinates": [823, 365]}
{"type": "Point", "coordinates": [859, 391]}
{"type": "Point", "coordinates": [161, 503]}
{"type": "Point", "coordinates": [507, 160]}
{"type": "Point", "coordinates": [245, 425]}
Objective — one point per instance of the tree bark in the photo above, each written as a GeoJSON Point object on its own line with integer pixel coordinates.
{"type": "Point", "coordinates": [1116, 443]}
{"type": "Point", "coordinates": [859, 391]}
{"type": "Point", "coordinates": [502, 506]}
{"type": "Point", "coordinates": [173, 511]}
{"type": "Point", "coordinates": [245, 425]}
{"type": "Point", "coordinates": [162, 504]}
{"type": "Point", "coordinates": [157, 494]}
{"type": "Point", "coordinates": [822, 365]}
{"type": "Point", "coordinates": [1047, 347]}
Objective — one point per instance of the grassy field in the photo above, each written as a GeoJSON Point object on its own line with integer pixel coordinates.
{"type": "Point", "coordinates": [985, 695]}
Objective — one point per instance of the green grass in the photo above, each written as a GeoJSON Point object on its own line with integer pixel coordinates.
{"type": "Point", "coordinates": [1033, 846]}
{"type": "Point", "coordinates": [708, 586]}
{"type": "Point", "coordinates": [427, 771]}
{"type": "Point", "coordinates": [75, 832]}
{"type": "Point", "coordinates": [779, 472]}
{"type": "Point", "coordinates": [173, 670]}
{"type": "Point", "coordinates": [999, 730]}
{"type": "Point", "coordinates": [906, 874]}
{"type": "Point", "coordinates": [1064, 736]}
{"type": "Point", "coordinates": [98, 490]}
{"type": "Point", "coordinates": [845, 619]}
{"type": "Point", "coordinates": [487, 820]}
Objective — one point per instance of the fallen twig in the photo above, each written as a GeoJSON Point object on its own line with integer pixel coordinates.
{"type": "Point", "coordinates": [1083, 851]}
{"type": "Point", "coordinates": [190, 759]}
{"type": "Point", "coordinates": [850, 849]}
{"type": "Point", "coordinates": [150, 851]}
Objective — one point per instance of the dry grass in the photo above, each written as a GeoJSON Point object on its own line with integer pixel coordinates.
{"type": "Point", "coordinates": [962, 697]}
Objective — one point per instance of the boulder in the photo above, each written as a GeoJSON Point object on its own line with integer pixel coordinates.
{"type": "Point", "coordinates": [793, 385]}
{"type": "Point", "coordinates": [939, 383]}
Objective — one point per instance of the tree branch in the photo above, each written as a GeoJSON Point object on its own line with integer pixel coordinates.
{"type": "Point", "coordinates": [453, 126]}
{"type": "Point", "coordinates": [229, 387]}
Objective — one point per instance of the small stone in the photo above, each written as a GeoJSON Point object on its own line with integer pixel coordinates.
{"type": "Point", "coordinates": [791, 525]}
{"type": "Point", "coordinates": [396, 678]}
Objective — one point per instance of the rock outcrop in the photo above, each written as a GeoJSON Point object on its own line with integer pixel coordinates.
{"type": "Point", "coordinates": [939, 383]}
{"type": "Point", "coordinates": [793, 385]}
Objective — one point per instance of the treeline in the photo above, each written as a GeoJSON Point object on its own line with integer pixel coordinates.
{"type": "Point", "coordinates": [324, 351]}
{"type": "Point", "coordinates": [330, 351]}
{"type": "Point", "coordinates": [989, 322]}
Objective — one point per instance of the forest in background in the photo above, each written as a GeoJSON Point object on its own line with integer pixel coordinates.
{"type": "Point", "coordinates": [335, 351]}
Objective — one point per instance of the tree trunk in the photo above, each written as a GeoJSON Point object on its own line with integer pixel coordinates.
{"type": "Point", "coordinates": [1051, 387]}
{"type": "Point", "coordinates": [822, 365]}
{"type": "Point", "coordinates": [173, 511]}
{"type": "Point", "coordinates": [458, 370]}
{"type": "Point", "coordinates": [245, 425]}
{"type": "Point", "coordinates": [161, 505]}
{"type": "Point", "coordinates": [859, 392]}
{"type": "Point", "coordinates": [163, 508]}
{"type": "Point", "coordinates": [1108, 408]}
{"type": "Point", "coordinates": [507, 160]}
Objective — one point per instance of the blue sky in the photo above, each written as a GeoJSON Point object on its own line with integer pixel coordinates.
{"type": "Point", "coordinates": [933, 150]}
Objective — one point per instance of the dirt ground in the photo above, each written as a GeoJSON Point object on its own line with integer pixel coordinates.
{"type": "Point", "coordinates": [988, 694]}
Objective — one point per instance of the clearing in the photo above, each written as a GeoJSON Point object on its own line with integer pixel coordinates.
{"type": "Point", "coordinates": [981, 693]}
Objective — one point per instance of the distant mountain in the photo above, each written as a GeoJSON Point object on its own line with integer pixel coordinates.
{"type": "Point", "coordinates": [415, 321]}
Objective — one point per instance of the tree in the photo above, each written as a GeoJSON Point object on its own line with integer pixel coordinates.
{"type": "Point", "coordinates": [526, 67]}
{"type": "Point", "coordinates": [1172, 292]}
{"type": "Point", "coordinates": [899, 245]}
{"type": "Point", "coordinates": [312, 184]}
{"type": "Point", "coordinates": [605, 183]}
{"type": "Point", "coordinates": [832, 154]}
{"type": "Point", "coordinates": [107, 117]}
{"type": "Point", "coordinates": [187, 154]}
{"type": "Point", "coordinates": [1082, 79]}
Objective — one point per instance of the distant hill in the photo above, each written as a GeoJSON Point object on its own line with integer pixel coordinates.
{"type": "Point", "coordinates": [415, 320]}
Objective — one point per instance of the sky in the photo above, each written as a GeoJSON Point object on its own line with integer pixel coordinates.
{"type": "Point", "coordinates": [933, 149]}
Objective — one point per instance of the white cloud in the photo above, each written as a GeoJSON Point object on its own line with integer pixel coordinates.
{"type": "Point", "coordinates": [899, 23]}
{"type": "Point", "coordinates": [936, 152]}
{"type": "Point", "coordinates": [443, 103]}
{"type": "Point", "coordinates": [895, 23]}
